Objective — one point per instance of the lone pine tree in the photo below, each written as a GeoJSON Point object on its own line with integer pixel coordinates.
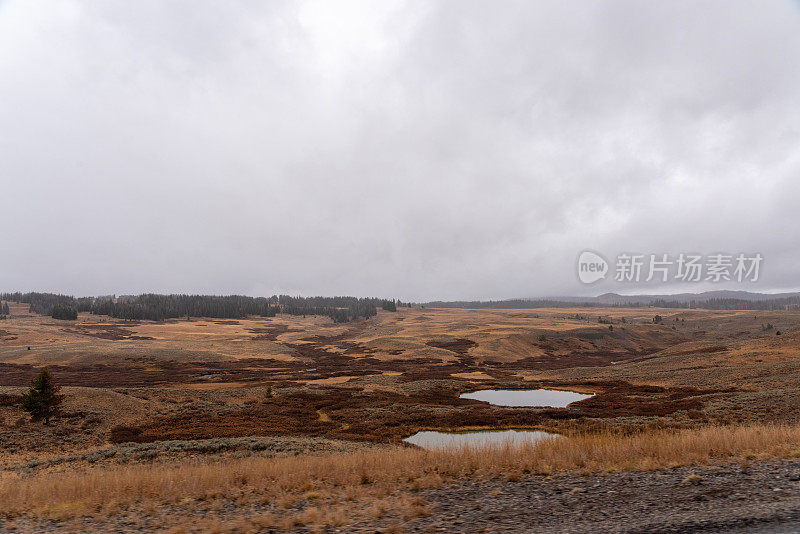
{"type": "Point", "coordinates": [43, 398]}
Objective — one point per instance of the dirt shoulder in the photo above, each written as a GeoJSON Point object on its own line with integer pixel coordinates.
{"type": "Point", "coordinates": [762, 497]}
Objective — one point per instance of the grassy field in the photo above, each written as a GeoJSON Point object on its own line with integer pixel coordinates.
{"type": "Point", "coordinates": [333, 490]}
{"type": "Point", "coordinates": [165, 416]}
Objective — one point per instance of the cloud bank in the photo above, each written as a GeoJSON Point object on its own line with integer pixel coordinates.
{"type": "Point", "coordinates": [423, 150]}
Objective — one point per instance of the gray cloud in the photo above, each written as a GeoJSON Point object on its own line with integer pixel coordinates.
{"type": "Point", "coordinates": [414, 149]}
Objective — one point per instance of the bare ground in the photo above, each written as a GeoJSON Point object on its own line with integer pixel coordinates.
{"type": "Point", "coordinates": [707, 499]}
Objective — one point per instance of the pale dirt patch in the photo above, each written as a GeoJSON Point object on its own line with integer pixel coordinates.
{"type": "Point", "coordinates": [369, 388]}
{"type": "Point", "coordinates": [210, 386]}
{"type": "Point", "coordinates": [330, 381]}
{"type": "Point", "coordinates": [475, 375]}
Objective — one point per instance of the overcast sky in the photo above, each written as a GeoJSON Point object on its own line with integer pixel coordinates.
{"type": "Point", "coordinates": [420, 150]}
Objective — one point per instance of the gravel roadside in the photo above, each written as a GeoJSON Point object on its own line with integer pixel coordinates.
{"type": "Point", "coordinates": [763, 497]}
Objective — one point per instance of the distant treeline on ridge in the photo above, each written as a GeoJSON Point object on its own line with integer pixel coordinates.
{"type": "Point", "coordinates": [778, 303]}
{"type": "Point", "coordinates": [159, 307]}
{"type": "Point", "coordinates": [508, 304]}
{"type": "Point", "coordinates": [340, 309]}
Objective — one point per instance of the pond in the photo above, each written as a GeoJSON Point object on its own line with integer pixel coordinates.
{"type": "Point", "coordinates": [448, 440]}
{"type": "Point", "coordinates": [550, 398]}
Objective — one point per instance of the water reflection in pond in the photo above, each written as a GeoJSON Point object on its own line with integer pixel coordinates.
{"type": "Point", "coordinates": [449, 440]}
{"type": "Point", "coordinates": [551, 398]}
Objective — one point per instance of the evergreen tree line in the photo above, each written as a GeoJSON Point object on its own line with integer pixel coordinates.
{"type": "Point", "coordinates": [159, 307]}
{"type": "Point", "coordinates": [44, 303]}
{"type": "Point", "coordinates": [67, 313]}
{"type": "Point", "coordinates": [339, 309]}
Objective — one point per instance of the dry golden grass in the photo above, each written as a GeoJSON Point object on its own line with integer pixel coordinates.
{"type": "Point", "coordinates": [364, 481]}
{"type": "Point", "coordinates": [501, 334]}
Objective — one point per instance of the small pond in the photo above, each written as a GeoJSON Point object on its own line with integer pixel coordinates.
{"type": "Point", "coordinates": [550, 398]}
{"type": "Point", "coordinates": [447, 440]}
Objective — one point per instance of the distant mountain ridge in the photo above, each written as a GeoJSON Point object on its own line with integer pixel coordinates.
{"type": "Point", "coordinates": [617, 299]}
{"type": "Point", "coordinates": [722, 299]}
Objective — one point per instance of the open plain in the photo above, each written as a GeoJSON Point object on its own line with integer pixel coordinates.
{"type": "Point", "coordinates": [147, 399]}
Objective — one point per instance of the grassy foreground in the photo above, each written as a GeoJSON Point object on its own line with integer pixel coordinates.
{"type": "Point", "coordinates": [341, 488]}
